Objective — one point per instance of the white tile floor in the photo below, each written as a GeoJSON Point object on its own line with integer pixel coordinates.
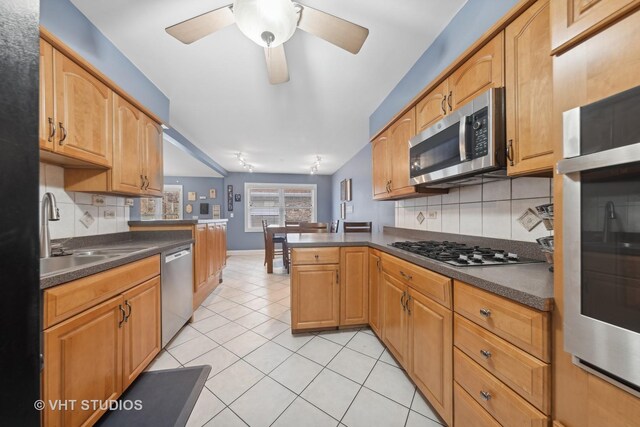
{"type": "Point", "coordinates": [262, 375]}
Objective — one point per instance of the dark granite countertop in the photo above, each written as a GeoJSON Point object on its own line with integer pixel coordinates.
{"type": "Point", "coordinates": [528, 284]}
{"type": "Point", "coordinates": [141, 244]}
{"type": "Point", "coordinates": [157, 222]}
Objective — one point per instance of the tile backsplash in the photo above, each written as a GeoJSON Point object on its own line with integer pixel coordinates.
{"type": "Point", "coordinates": [490, 209]}
{"type": "Point", "coordinates": [110, 218]}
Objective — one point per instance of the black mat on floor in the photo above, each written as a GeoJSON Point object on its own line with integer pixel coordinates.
{"type": "Point", "coordinates": [166, 399]}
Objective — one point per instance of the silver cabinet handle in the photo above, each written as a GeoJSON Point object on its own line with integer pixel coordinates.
{"type": "Point", "coordinates": [52, 129]}
{"type": "Point", "coordinates": [124, 316]}
{"type": "Point", "coordinates": [407, 304]}
{"type": "Point", "coordinates": [406, 276]}
{"type": "Point", "coordinates": [510, 152]}
{"type": "Point", "coordinates": [64, 133]}
{"type": "Point", "coordinates": [485, 395]}
{"type": "Point", "coordinates": [485, 312]}
{"type": "Point", "coordinates": [404, 307]}
{"type": "Point", "coordinates": [147, 181]}
{"type": "Point", "coordinates": [126, 319]}
{"type": "Point", "coordinates": [449, 100]}
{"type": "Point", "coordinates": [486, 354]}
{"type": "Point", "coordinates": [142, 181]}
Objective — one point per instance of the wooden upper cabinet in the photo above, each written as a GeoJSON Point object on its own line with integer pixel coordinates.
{"type": "Point", "coordinates": [481, 72]}
{"type": "Point", "coordinates": [152, 155]}
{"type": "Point", "coordinates": [354, 286]}
{"type": "Point", "coordinates": [142, 341]}
{"type": "Point", "coordinates": [380, 166]}
{"type": "Point", "coordinates": [576, 20]}
{"type": "Point", "coordinates": [529, 91]}
{"type": "Point", "coordinates": [399, 134]}
{"type": "Point", "coordinates": [127, 148]}
{"type": "Point", "coordinates": [83, 107]}
{"type": "Point", "coordinates": [83, 360]}
{"type": "Point", "coordinates": [432, 107]}
{"type": "Point", "coordinates": [48, 124]}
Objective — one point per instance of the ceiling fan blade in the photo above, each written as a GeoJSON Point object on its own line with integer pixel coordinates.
{"type": "Point", "coordinates": [337, 31]}
{"type": "Point", "coordinates": [202, 25]}
{"type": "Point", "coordinates": [277, 65]}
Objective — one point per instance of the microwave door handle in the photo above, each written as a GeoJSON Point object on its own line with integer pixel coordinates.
{"type": "Point", "coordinates": [463, 139]}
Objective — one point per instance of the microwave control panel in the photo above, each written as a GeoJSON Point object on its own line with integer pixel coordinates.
{"type": "Point", "coordinates": [480, 133]}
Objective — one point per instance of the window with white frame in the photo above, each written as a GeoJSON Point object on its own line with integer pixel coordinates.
{"type": "Point", "coordinates": [277, 203]}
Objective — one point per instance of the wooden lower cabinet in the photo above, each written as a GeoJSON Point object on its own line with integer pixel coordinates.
{"type": "Point", "coordinates": [394, 323]}
{"type": "Point", "coordinates": [375, 292]}
{"type": "Point", "coordinates": [142, 333]}
{"type": "Point", "coordinates": [96, 354]}
{"type": "Point", "coordinates": [354, 286]}
{"type": "Point", "coordinates": [83, 360]}
{"type": "Point", "coordinates": [430, 346]}
{"type": "Point", "coordinates": [467, 412]}
{"type": "Point", "coordinates": [200, 257]}
{"type": "Point", "coordinates": [315, 296]}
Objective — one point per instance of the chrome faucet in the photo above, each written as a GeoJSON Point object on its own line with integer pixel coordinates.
{"type": "Point", "coordinates": [609, 216]}
{"type": "Point", "coordinates": [48, 212]}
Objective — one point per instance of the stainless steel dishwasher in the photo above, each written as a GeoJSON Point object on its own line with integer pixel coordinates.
{"type": "Point", "coordinates": [177, 290]}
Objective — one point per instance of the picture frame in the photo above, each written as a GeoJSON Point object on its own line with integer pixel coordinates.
{"type": "Point", "coordinates": [213, 193]}
{"type": "Point", "coordinates": [238, 198]}
{"type": "Point", "coordinates": [191, 196]}
{"type": "Point", "coordinates": [343, 190]}
{"type": "Point", "coordinates": [204, 208]}
{"type": "Point", "coordinates": [348, 193]}
{"type": "Point", "coordinates": [343, 210]}
{"type": "Point", "coordinates": [229, 198]}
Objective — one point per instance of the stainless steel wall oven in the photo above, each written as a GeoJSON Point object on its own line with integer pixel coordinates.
{"type": "Point", "coordinates": [601, 249]}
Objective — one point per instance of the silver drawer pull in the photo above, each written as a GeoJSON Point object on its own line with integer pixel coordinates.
{"type": "Point", "coordinates": [485, 395]}
{"type": "Point", "coordinates": [485, 353]}
{"type": "Point", "coordinates": [485, 312]}
{"type": "Point", "coordinates": [317, 256]}
{"type": "Point", "coordinates": [405, 275]}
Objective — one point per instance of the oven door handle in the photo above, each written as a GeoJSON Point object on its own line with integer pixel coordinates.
{"type": "Point", "coordinates": [601, 159]}
{"type": "Point", "coordinates": [462, 143]}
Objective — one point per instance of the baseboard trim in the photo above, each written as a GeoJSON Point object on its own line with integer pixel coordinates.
{"type": "Point", "coordinates": [247, 252]}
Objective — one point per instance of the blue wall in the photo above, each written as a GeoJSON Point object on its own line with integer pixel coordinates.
{"type": "Point", "coordinates": [473, 20]}
{"type": "Point", "coordinates": [237, 238]}
{"type": "Point", "coordinates": [201, 186]}
{"type": "Point", "coordinates": [364, 207]}
{"type": "Point", "coordinates": [67, 23]}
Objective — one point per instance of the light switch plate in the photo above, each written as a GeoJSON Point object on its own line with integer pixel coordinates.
{"type": "Point", "coordinates": [109, 214]}
{"type": "Point", "coordinates": [349, 208]}
{"type": "Point", "coordinates": [128, 202]}
{"type": "Point", "coordinates": [98, 200]}
{"type": "Point", "coordinates": [432, 214]}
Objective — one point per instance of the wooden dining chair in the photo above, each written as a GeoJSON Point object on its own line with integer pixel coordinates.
{"type": "Point", "coordinates": [276, 239]}
{"type": "Point", "coordinates": [335, 226]}
{"type": "Point", "coordinates": [356, 227]}
{"type": "Point", "coordinates": [314, 227]}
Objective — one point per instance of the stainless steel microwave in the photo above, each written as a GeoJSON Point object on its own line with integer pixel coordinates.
{"type": "Point", "coordinates": [464, 144]}
{"type": "Point", "coordinates": [601, 226]}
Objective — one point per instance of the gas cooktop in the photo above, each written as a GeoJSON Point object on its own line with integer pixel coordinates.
{"type": "Point", "coordinates": [461, 255]}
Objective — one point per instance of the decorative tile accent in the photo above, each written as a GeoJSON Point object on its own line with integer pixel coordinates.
{"type": "Point", "coordinates": [420, 217]}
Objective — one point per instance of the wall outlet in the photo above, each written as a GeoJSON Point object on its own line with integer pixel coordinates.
{"type": "Point", "coordinates": [230, 214]}
{"type": "Point", "coordinates": [432, 214]}
{"type": "Point", "coordinates": [109, 214]}
{"type": "Point", "coordinates": [128, 202]}
{"type": "Point", "coordinates": [349, 208]}
{"type": "Point", "coordinates": [98, 200]}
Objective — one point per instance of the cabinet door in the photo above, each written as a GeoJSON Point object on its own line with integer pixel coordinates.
{"type": "Point", "coordinates": [354, 286]}
{"type": "Point", "coordinates": [211, 251]}
{"type": "Point", "coordinates": [577, 20]}
{"type": "Point", "coordinates": [529, 91]}
{"type": "Point", "coordinates": [142, 340]}
{"type": "Point", "coordinates": [432, 107]}
{"type": "Point", "coordinates": [126, 174]}
{"type": "Point", "coordinates": [315, 296]}
{"type": "Point", "coordinates": [399, 134]}
{"type": "Point", "coordinates": [83, 360]}
{"type": "Point", "coordinates": [431, 347]}
{"type": "Point", "coordinates": [380, 166]}
{"type": "Point", "coordinates": [223, 234]}
{"type": "Point", "coordinates": [375, 273]}
{"type": "Point", "coordinates": [482, 71]}
{"type": "Point", "coordinates": [152, 166]}
{"type": "Point", "coordinates": [394, 318]}
{"type": "Point", "coordinates": [84, 108]}
{"type": "Point", "coordinates": [48, 125]}
{"type": "Point", "coordinates": [201, 262]}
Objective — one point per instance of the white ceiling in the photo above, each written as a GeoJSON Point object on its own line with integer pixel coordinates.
{"type": "Point", "coordinates": [222, 101]}
{"type": "Point", "coordinates": [178, 162]}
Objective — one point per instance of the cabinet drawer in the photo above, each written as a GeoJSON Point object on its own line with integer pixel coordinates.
{"type": "Point", "coordinates": [311, 256]}
{"type": "Point", "coordinates": [64, 301]}
{"type": "Point", "coordinates": [434, 285]}
{"type": "Point", "coordinates": [522, 326]}
{"type": "Point", "coordinates": [468, 412]}
{"type": "Point", "coordinates": [522, 372]}
{"type": "Point", "coordinates": [505, 405]}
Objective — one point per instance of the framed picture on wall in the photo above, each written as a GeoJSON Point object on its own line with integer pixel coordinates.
{"type": "Point", "coordinates": [348, 190]}
{"type": "Point", "coordinates": [343, 210]}
{"type": "Point", "coordinates": [229, 198]}
{"type": "Point", "coordinates": [191, 196]}
{"type": "Point", "coordinates": [343, 190]}
{"type": "Point", "coordinates": [213, 193]}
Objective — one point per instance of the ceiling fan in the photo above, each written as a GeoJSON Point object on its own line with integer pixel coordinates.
{"type": "Point", "coordinates": [270, 23]}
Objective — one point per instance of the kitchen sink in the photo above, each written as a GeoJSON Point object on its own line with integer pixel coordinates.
{"type": "Point", "coordinates": [55, 265]}
{"type": "Point", "coordinates": [107, 251]}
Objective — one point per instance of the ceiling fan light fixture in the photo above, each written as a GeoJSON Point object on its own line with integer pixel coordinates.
{"type": "Point", "coordinates": [269, 23]}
